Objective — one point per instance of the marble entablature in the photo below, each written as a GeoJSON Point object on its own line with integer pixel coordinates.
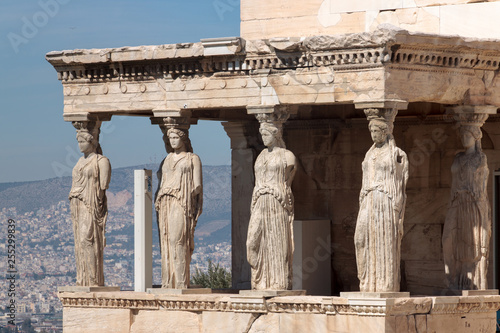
{"type": "Point", "coordinates": [387, 64]}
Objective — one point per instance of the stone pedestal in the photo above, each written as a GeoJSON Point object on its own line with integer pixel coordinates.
{"type": "Point", "coordinates": [172, 291]}
{"type": "Point", "coordinates": [486, 292]}
{"type": "Point", "coordinates": [85, 289]}
{"type": "Point", "coordinates": [137, 312]}
{"type": "Point", "coordinates": [370, 295]}
{"type": "Point", "coordinates": [272, 293]}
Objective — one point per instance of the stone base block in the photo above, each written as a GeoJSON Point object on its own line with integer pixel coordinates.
{"type": "Point", "coordinates": [484, 292]}
{"type": "Point", "coordinates": [135, 312]}
{"type": "Point", "coordinates": [374, 294]}
{"type": "Point", "coordinates": [272, 293]}
{"type": "Point", "coordinates": [172, 291]}
{"type": "Point", "coordinates": [85, 289]}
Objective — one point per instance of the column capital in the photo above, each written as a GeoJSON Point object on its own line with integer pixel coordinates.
{"type": "Point", "coordinates": [383, 112]}
{"type": "Point", "coordinates": [472, 115]}
{"type": "Point", "coordinates": [276, 114]}
{"type": "Point", "coordinates": [173, 122]}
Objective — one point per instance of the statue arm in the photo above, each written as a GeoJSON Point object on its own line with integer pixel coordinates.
{"type": "Point", "coordinates": [401, 178]}
{"type": "Point", "coordinates": [486, 221]}
{"type": "Point", "coordinates": [197, 175]}
{"type": "Point", "coordinates": [159, 175]}
{"type": "Point", "coordinates": [291, 166]}
{"type": "Point", "coordinates": [104, 172]}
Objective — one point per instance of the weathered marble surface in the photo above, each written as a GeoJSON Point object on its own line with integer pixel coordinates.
{"type": "Point", "coordinates": [279, 19]}
{"type": "Point", "coordinates": [140, 312]}
{"type": "Point", "coordinates": [467, 228]}
{"type": "Point", "coordinates": [270, 230]}
{"type": "Point", "coordinates": [379, 227]}
{"type": "Point", "coordinates": [89, 212]}
{"type": "Point", "coordinates": [179, 202]}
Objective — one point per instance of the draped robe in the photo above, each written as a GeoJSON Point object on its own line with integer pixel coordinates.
{"type": "Point", "coordinates": [178, 211]}
{"type": "Point", "coordinates": [270, 230]}
{"type": "Point", "coordinates": [89, 213]}
{"type": "Point", "coordinates": [467, 228]}
{"type": "Point", "coordinates": [379, 227]}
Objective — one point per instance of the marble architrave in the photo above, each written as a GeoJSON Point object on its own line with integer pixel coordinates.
{"type": "Point", "coordinates": [88, 204]}
{"type": "Point", "coordinates": [379, 226]}
{"type": "Point", "coordinates": [467, 228]}
{"type": "Point", "coordinates": [179, 201]}
{"type": "Point", "coordinates": [270, 230]}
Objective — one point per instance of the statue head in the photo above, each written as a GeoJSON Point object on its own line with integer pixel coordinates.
{"type": "Point", "coordinates": [379, 131]}
{"type": "Point", "coordinates": [470, 135]}
{"type": "Point", "coordinates": [86, 142]}
{"type": "Point", "coordinates": [271, 135]}
{"type": "Point", "coordinates": [176, 138]}
{"type": "Point", "coordinates": [87, 135]}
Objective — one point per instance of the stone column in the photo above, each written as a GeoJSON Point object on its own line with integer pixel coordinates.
{"type": "Point", "coordinates": [244, 148]}
{"type": "Point", "coordinates": [467, 228]}
{"type": "Point", "coordinates": [379, 226]}
{"type": "Point", "coordinates": [179, 198]}
{"type": "Point", "coordinates": [91, 177]}
{"type": "Point", "coordinates": [270, 242]}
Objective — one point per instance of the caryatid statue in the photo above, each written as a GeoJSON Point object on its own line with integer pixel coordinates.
{"type": "Point", "coordinates": [467, 228]}
{"type": "Point", "coordinates": [91, 176]}
{"type": "Point", "coordinates": [270, 230]}
{"type": "Point", "coordinates": [179, 202]}
{"type": "Point", "coordinates": [379, 227]}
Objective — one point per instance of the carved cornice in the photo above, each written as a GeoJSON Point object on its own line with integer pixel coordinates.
{"type": "Point", "coordinates": [384, 47]}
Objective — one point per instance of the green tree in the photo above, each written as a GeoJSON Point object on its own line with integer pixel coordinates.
{"type": "Point", "coordinates": [216, 277]}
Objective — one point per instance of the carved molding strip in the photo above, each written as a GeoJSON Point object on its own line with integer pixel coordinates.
{"type": "Point", "coordinates": [419, 59]}
{"type": "Point", "coordinates": [341, 60]}
{"type": "Point", "coordinates": [262, 305]}
{"type": "Point", "coordinates": [446, 58]}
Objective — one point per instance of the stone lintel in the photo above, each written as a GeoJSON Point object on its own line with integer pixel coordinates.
{"type": "Point", "coordinates": [87, 116]}
{"type": "Point", "coordinates": [473, 109]}
{"type": "Point", "coordinates": [384, 104]}
{"type": "Point", "coordinates": [86, 289]}
{"type": "Point", "coordinates": [272, 293]}
{"type": "Point", "coordinates": [172, 291]}
{"type": "Point", "coordinates": [370, 295]}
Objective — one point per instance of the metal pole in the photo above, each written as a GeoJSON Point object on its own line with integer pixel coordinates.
{"type": "Point", "coordinates": [143, 230]}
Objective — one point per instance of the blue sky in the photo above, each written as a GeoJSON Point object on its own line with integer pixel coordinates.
{"type": "Point", "coordinates": [35, 141]}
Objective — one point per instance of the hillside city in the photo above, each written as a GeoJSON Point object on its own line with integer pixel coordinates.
{"type": "Point", "coordinates": [45, 258]}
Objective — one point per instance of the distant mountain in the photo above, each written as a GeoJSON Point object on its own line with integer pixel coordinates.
{"type": "Point", "coordinates": [34, 195]}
